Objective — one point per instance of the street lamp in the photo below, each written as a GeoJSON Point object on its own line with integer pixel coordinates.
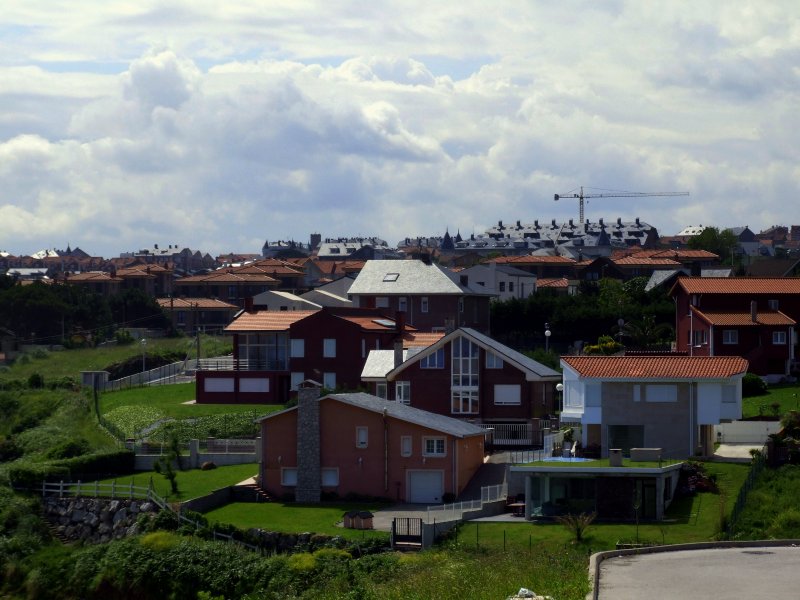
{"type": "Point", "coordinates": [143, 343]}
{"type": "Point", "coordinates": [559, 389]}
{"type": "Point", "coordinates": [547, 334]}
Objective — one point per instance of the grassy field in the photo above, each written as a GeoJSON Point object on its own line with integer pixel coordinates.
{"type": "Point", "coordinates": [295, 518]}
{"type": "Point", "coordinates": [70, 363]}
{"type": "Point", "coordinates": [192, 483]}
{"type": "Point", "coordinates": [772, 511]}
{"type": "Point", "coordinates": [787, 397]}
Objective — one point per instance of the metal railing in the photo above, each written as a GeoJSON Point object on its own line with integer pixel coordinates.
{"type": "Point", "coordinates": [759, 462]}
{"type": "Point", "coordinates": [163, 375]}
{"type": "Point", "coordinates": [455, 510]}
{"type": "Point", "coordinates": [229, 363]}
{"type": "Point", "coordinates": [228, 446]}
{"type": "Point", "coordinates": [102, 490]}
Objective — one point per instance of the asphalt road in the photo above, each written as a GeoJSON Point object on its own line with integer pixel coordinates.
{"type": "Point", "coordinates": [757, 573]}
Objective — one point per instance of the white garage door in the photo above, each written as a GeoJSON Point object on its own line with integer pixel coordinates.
{"type": "Point", "coordinates": [425, 487]}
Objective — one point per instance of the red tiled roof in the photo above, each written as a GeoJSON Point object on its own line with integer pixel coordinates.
{"type": "Point", "coordinates": [420, 339]}
{"type": "Point", "coordinates": [657, 367]}
{"type": "Point", "coordinates": [92, 276]}
{"type": "Point", "coordinates": [533, 260]}
{"type": "Point", "coordinates": [744, 319]}
{"type": "Point", "coordinates": [552, 282]}
{"type": "Point", "coordinates": [226, 277]}
{"type": "Point", "coordinates": [194, 303]}
{"type": "Point", "coordinates": [267, 320]}
{"type": "Point", "coordinates": [644, 261]}
{"type": "Point", "coordinates": [738, 285]}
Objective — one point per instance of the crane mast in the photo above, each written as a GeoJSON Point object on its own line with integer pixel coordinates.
{"type": "Point", "coordinates": [581, 196]}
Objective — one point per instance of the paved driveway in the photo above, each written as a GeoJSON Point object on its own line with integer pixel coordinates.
{"type": "Point", "coordinates": [753, 572]}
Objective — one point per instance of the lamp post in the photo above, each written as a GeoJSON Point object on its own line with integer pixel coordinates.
{"type": "Point", "coordinates": [547, 334]}
{"type": "Point", "coordinates": [559, 389]}
{"type": "Point", "coordinates": [143, 343]}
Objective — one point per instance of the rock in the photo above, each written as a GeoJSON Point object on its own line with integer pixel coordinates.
{"type": "Point", "coordinates": [121, 514]}
{"type": "Point", "coordinates": [77, 515]}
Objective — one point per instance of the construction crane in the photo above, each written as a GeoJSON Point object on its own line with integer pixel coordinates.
{"type": "Point", "coordinates": [613, 194]}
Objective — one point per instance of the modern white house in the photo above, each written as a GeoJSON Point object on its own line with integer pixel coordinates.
{"type": "Point", "coordinates": [666, 402]}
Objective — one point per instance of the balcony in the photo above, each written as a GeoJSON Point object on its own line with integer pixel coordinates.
{"type": "Point", "coordinates": [229, 363]}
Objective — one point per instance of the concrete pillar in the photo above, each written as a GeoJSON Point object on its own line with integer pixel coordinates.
{"type": "Point", "coordinates": [528, 496]}
{"type": "Point", "coordinates": [194, 454]}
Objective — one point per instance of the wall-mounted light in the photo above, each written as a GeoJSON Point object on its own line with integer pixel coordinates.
{"type": "Point", "coordinates": [280, 458]}
{"type": "Point", "coordinates": [360, 461]}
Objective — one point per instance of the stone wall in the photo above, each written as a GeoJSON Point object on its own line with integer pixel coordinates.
{"type": "Point", "coordinates": [95, 520]}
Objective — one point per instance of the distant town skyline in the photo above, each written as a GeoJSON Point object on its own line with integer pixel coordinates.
{"type": "Point", "coordinates": [218, 127]}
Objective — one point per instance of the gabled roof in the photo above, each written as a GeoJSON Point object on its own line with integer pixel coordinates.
{"type": "Point", "coordinates": [637, 260]}
{"type": "Point", "coordinates": [534, 371]}
{"type": "Point", "coordinates": [552, 282]}
{"type": "Point", "coordinates": [744, 318]}
{"type": "Point", "coordinates": [638, 368]}
{"type": "Point", "coordinates": [737, 285]}
{"type": "Point", "coordinates": [405, 277]}
{"type": "Point", "coordinates": [380, 362]}
{"type": "Point", "coordinates": [267, 320]}
{"type": "Point", "coordinates": [227, 276]}
{"type": "Point", "coordinates": [533, 259]}
{"type": "Point", "coordinates": [397, 410]}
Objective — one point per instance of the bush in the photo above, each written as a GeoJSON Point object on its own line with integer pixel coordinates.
{"type": "Point", "coordinates": [69, 449]}
{"type": "Point", "coordinates": [123, 337]}
{"type": "Point", "coordinates": [30, 476]}
{"type": "Point", "coordinates": [753, 385]}
{"type": "Point", "coordinates": [101, 464]}
{"type": "Point", "coordinates": [36, 381]}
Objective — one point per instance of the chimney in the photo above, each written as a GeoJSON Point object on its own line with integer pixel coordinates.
{"type": "Point", "coordinates": [309, 471]}
{"type": "Point", "coordinates": [601, 221]}
{"type": "Point", "coordinates": [398, 352]}
{"type": "Point", "coordinates": [248, 304]}
{"type": "Point", "coordinates": [400, 322]}
{"type": "Point", "coordinates": [500, 225]}
{"type": "Point", "coordinates": [571, 226]}
{"type": "Point", "coordinates": [754, 311]}
{"type": "Point", "coordinates": [637, 222]}
{"type": "Point", "coordinates": [464, 279]}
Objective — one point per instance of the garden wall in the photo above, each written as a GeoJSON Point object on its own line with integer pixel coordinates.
{"type": "Point", "coordinates": [745, 432]}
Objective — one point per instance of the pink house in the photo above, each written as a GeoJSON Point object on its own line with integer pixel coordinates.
{"type": "Point", "coordinates": [363, 445]}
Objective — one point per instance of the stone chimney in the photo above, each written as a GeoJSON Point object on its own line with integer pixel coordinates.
{"type": "Point", "coordinates": [248, 304]}
{"type": "Point", "coordinates": [398, 352]}
{"type": "Point", "coordinates": [309, 471]}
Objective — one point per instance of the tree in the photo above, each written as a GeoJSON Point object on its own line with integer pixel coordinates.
{"type": "Point", "coordinates": [722, 243]}
{"type": "Point", "coordinates": [645, 332]}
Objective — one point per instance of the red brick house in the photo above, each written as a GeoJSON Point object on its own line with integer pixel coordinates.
{"type": "Point", "coordinates": [198, 314]}
{"type": "Point", "coordinates": [432, 298]}
{"type": "Point", "coordinates": [749, 317]}
{"type": "Point", "coordinates": [366, 446]}
{"type": "Point", "coordinates": [470, 376]}
{"type": "Point", "coordinates": [273, 351]}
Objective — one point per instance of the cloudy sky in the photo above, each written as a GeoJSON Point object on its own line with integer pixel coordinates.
{"type": "Point", "coordinates": [218, 125]}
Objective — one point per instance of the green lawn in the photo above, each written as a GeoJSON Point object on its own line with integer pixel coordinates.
{"type": "Point", "coordinates": [192, 483]}
{"type": "Point", "coordinates": [786, 395]}
{"type": "Point", "coordinates": [70, 363]}
{"type": "Point", "coordinates": [137, 409]}
{"type": "Point", "coordinates": [294, 518]}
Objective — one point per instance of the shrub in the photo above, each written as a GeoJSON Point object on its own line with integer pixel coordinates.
{"type": "Point", "coordinates": [123, 337]}
{"type": "Point", "coordinates": [36, 381]}
{"type": "Point", "coordinates": [30, 476]}
{"type": "Point", "coordinates": [40, 353]}
{"type": "Point", "coordinates": [69, 449]}
{"type": "Point", "coordinates": [577, 524]}
{"type": "Point", "coordinates": [753, 385]}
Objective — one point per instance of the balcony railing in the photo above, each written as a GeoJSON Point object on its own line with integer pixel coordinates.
{"type": "Point", "coordinates": [229, 363]}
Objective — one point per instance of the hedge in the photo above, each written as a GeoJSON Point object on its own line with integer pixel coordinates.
{"type": "Point", "coordinates": [84, 468]}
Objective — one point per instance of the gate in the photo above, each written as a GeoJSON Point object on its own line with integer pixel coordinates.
{"type": "Point", "coordinates": [406, 533]}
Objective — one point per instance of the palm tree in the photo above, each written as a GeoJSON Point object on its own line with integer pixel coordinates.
{"type": "Point", "coordinates": [646, 333]}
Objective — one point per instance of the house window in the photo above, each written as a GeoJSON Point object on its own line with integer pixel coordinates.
{"type": "Point", "coordinates": [661, 393]}
{"type": "Point", "coordinates": [405, 445]}
{"type": "Point", "coordinates": [362, 437]}
{"type": "Point", "coordinates": [464, 376]}
{"type": "Point", "coordinates": [402, 304]}
{"type": "Point", "coordinates": [296, 379]}
{"type": "Point", "coordinates": [493, 361]}
{"type": "Point", "coordinates": [382, 302]}
{"type": "Point", "coordinates": [730, 336]}
{"type": "Point", "coordinates": [289, 477]}
{"type": "Point", "coordinates": [181, 317]}
{"type": "Point", "coordinates": [773, 304]}
{"type": "Point", "coordinates": [779, 337]}
{"type": "Point", "coordinates": [433, 361]}
{"type": "Point", "coordinates": [329, 380]}
{"type": "Point", "coordinates": [231, 292]}
{"type": "Point", "coordinates": [297, 348]}
{"type": "Point", "coordinates": [433, 446]}
{"type": "Point", "coordinates": [402, 392]}
{"type": "Point", "coordinates": [423, 304]}
{"type": "Point", "coordinates": [330, 477]}
{"type": "Point", "coordinates": [461, 305]}
{"type": "Point", "coordinates": [464, 402]}
{"type": "Point", "coordinates": [510, 286]}
{"type": "Point", "coordinates": [329, 348]}
{"type": "Point", "coordinates": [380, 390]}
{"type": "Point", "coordinates": [264, 351]}
{"type": "Point", "coordinates": [501, 286]}
{"type": "Point", "coordinates": [507, 395]}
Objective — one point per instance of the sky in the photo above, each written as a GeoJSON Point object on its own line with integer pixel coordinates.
{"type": "Point", "coordinates": [219, 125]}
